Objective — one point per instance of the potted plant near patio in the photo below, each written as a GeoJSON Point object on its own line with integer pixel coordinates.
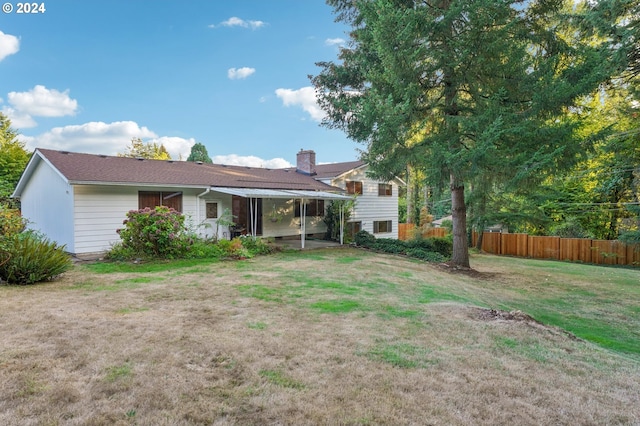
{"type": "Point", "coordinates": [275, 216]}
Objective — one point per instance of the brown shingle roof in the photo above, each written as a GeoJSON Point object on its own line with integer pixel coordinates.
{"type": "Point", "coordinates": [324, 171]}
{"type": "Point", "coordinates": [77, 167]}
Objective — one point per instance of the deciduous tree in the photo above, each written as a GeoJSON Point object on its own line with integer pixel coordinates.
{"type": "Point", "coordinates": [13, 159]}
{"type": "Point", "coordinates": [150, 150]}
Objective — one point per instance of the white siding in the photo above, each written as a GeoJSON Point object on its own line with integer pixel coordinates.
{"type": "Point", "coordinates": [370, 206]}
{"type": "Point", "coordinates": [100, 210]}
{"type": "Point", "coordinates": [208, 227]}
{"type": "Point", "coordinates": [47, 203]}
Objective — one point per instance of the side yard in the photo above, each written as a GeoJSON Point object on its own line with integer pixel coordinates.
{"type": "Point", "coordinates": [326, 336]}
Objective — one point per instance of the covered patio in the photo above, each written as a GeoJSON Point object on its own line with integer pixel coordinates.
{"type": "Point", "coordinates": [256, 195]}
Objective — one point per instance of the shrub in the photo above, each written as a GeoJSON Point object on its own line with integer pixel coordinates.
{"type": "Point", "coordinates": [30, 259]}
{"type": "Point", "coordinates": [429, 249]}
{"type": "Point", "coordinates": [158, 232]}
{"type": "Point", "coordinates": [364, 239]}
{"type": "Point", "coordinates": [444, 245]}
{"type": "Point", "coordinates": [233, 248]}
{"type": "Point", "coordinates": [256, 245]}
{"type": "Point", "coordinates": [429, 256]}
{"type": "Point", "coordinates": [389, 245]}
{"type": "Point", "coordinates": [11, 222]}
{"type": "Point", "coordinates": [203, 249]}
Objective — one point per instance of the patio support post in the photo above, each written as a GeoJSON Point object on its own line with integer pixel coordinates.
{"type": "Point", "coordinates": [341, 223]}
{"type": "Point", "coordinates": [251, 214]}
{"type": "Point", "coordinates": [303, 222]}
{"type": "Point", "coordinates": [255, 217]}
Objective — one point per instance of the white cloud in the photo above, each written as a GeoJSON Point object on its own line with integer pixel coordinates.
{"type": "Point", "coordinates": [251, 161]}
{"type": "Point", "coordinates": [97, 137]}
{"type": "Point", "coordinates": [334, 41]}
{"type": "Point", "coordinates": [305, 98]}
{"type": "Point", "coordinates": [43, 102]}
{"type": "Point", "coordinates": [240, 73]}
{"type": "Point", "coordinates": [38, 102]}
{"type": "Point", "coordinates": [19, 120]}
{"type": "Point", "coordinates": [94, 137]}
{"type": "Point", "coordinates": [234, 21]}
{"type": "Point", "coordinates": [178, 148]}
{"type": "Point", "coordinates": [9, 45]}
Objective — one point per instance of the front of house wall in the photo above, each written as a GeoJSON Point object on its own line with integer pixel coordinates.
{"type": "Point", "coordinates": [99, 211]}
{"type": "Point", "coordinates": [371, 207]}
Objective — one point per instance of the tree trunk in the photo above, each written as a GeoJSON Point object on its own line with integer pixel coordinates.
{"type": "Point", "coordinates": [459, 212]}
{"type": "Point", "coordinates": [410, 196]}
{"type": "Point", "coordinates": [479, 240]}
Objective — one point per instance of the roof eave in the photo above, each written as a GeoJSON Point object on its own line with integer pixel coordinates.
{"type": "Point", "coordinates": [153, 184]}
{"type": "Point", "coordinates": [35, 159]}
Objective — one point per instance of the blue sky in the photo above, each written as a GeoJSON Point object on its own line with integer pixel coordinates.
{"type": "Point", "coordinates": [88, 76]}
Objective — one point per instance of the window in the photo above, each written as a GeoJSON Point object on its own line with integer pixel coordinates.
{"type": "Point", "coordinates": [381, 226]}
{"type": "Point", "coordinates": [173, 200]}
{"type": "Point", "coordinates": [212, 210]}
{"type": "Point", "coordinates": [384, 190]}
{"type": "Point", "coordinates": [354, 187]}
{"type": "Point", "coordinates": [314, 208]}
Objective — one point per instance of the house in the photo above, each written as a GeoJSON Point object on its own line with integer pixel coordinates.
{"type": "Point", "coordinates": [376, 207]}
{"type": "Point", "coordinates": [80, 200]}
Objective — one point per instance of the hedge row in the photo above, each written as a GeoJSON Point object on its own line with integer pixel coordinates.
{"type": "Point", "coordinates": [429, 249]}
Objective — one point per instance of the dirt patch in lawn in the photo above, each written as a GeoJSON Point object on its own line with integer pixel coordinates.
{"type": "Point", "coordinates": [327, 337]}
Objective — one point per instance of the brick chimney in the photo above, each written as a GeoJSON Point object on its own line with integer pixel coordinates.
{"type": "Point", "coordinates": [306, 162]}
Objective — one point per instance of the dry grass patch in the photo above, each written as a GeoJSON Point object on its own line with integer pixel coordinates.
{"type": "Point", "coordinates": [326, 337]}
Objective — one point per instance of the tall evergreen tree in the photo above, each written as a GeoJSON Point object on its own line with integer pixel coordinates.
{"type": "Point", "coordinates": [199, 153]}
{"type": "Point", "coordinates": [464, 89]}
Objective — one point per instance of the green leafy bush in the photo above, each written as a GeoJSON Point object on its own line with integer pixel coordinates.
{"type": "Point", "coordinates": [429, 256]}
{"type": "Point", "coordinates": [256, 245]}
{"type": "Point", "coordinates": [28, 259]}
{"type": "Point", "coordinates": [204, 249]}
{"type": "Point", "coordinates": [364, 239]}
{"type": "Point", "coordinates": [234, 249]}
{"type": "Point", "coordinates": [158, 232]}
{"type": "Point", "coordinates": [389, 245]}
{"type": "Point", "coordinates": [429, 249]}
{"type": "Point", "coordinates": [11, 222]}
{"type": "Point", "coordinates": [444, 245]}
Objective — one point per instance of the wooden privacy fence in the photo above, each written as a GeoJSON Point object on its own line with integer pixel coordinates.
{"type": "Point", "coordinates": [405, 231]}
{"type": "Point", "coordinates": [607, 252]}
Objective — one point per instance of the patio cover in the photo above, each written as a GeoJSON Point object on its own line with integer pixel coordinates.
{"type": "Point", "coordinates": [287, 194]}
{"type": "Point", "coordinates": [280, 193]}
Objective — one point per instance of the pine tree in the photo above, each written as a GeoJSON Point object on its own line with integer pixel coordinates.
{"type": "Point", "coordinates": [199, 153]}
{"type": "Point", "coordinates": [465, 90]}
